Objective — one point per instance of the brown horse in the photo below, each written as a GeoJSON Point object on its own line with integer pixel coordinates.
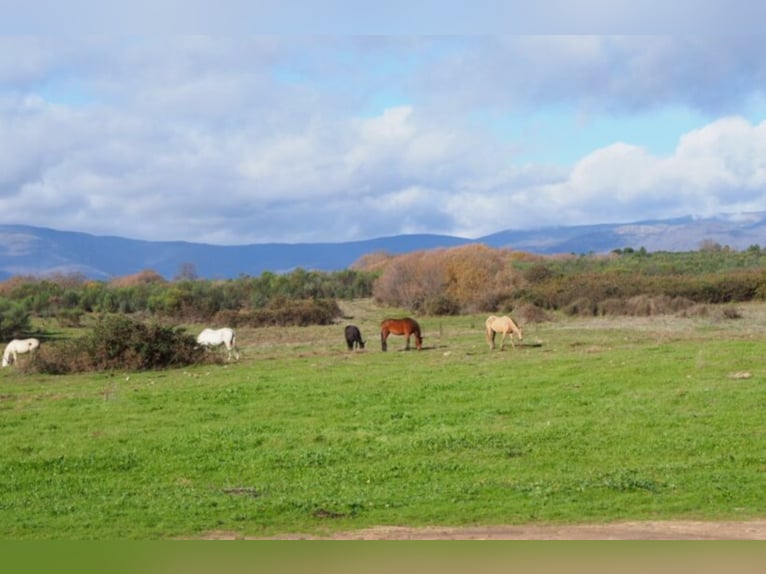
{"type": "Point", "coordinates": [504, 325]}
{"type": "Point", "coordinates": [405, 326]}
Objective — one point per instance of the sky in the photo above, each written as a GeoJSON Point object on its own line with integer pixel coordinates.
{"type": "Point", "coordinates": [322, 129]}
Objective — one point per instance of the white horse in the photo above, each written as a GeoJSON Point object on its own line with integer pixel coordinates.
{"type": "Point", "coordinates": [504, 325]}
{"type": "Point", "coordinates": [17, 347]}
{"type": "Point", "coordinates": [218, 337]}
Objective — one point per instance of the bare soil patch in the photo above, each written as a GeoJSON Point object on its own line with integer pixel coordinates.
{"type": "Point", "coordinates": [651, 530]}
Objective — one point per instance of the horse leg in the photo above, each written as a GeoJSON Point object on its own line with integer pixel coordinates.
{"type": "Point", "coordinates": [490, 339]}
{"type": "Point", "coordinates": [502, 341]}
{"type": "Point", "coordinates": [383, 337]}
{"type": "Point", "coordinates": [407, 344]}
{"type": "Point", "coordinates": [234, 350]}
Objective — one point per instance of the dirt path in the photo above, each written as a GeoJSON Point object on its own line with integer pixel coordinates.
{"type": "Point", "coordinates": [660, 530]}
{"type": "Point", "coordinates": [684, 530]}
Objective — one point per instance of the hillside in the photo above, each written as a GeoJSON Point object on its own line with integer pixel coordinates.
{"type": "Point", "coordinates": [34, 250]}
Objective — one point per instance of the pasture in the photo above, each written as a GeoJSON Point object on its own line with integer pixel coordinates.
{"type": "Point", "coordinates": [586, 420]}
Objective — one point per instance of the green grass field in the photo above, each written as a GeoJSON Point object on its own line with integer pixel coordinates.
{"type": "Point", "coordinates": [589, 420]}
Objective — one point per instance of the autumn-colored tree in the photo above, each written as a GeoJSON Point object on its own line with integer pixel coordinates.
{"type": "Point", "coordinates": [478, 277]}
{"type": "Point", "coordinates": [412, 279]}
{"type": "Point", "coordinates": [374, 262]}
{"type": "Point", "coordinates": [467, 278]}
{"type": "Point", "coordinates": [145, 277]}
{"type": "Point", "coordinates": [11, 286]}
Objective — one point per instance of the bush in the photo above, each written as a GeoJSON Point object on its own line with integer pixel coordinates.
{"type": "Point", "coordinates": [644, 305]}
{"type": "Point", "coordinates": [612, 306]}
{"type": "Point", "coordinates": [14, 319]}
{"type": "Point", "coordinates": [716, 313]}
{"type": "Point", "coordinates": [696, 310]}
{"type": "Point", "coordinates": [538, 273]}
{"type": "Point", "coordinates": [582, 307]}
{"type": "Point", "coordinates": [299, 313]}
{"type": "Point", "coordinates": [119, 342]}
{"type": "Point", "coordinates": [441, 305]}
{"type": "Point", "coordinates": [284, 312]}
{"type": "Point", "coordinates": [527, 313]}
{"type": "Point", "coordinates": [70, 317]}
{"type": "Point", "coordinates": [731, 313]}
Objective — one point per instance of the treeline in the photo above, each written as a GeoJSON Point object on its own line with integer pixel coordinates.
{"type": "Point", "coordinates": [635, 282]}
{"type": "Point", "coordinates": [640, 283]}
{"type": "Point", "coordinates": [299, 297]}
{"type": "Point", "coordinates": [466, 279]}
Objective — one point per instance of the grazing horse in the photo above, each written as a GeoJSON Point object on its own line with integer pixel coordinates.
{"type": "Point", "coordinates": [17, 347]}
{"type": "Point", "coordinates": [353, 337]}
{"type": "Point", "coordinates": [218, 337]}
{"type": "Point", "coordinates": [406, 326]}
{"type": "Point", "coordinates": [504, 325]}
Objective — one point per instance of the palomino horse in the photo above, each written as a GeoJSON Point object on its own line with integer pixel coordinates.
{"type": "Point", "coordinates": [17, 347]}
{"type": "Point", "coordinates": [504, 325]}
{"type": "Point", "coordinates": [218, 337]}
{"type": "Point", "coordinates": [405, 326]}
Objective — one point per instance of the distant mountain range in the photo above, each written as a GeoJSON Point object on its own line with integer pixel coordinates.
{"type": "Point", "coordinates": [26, 250]}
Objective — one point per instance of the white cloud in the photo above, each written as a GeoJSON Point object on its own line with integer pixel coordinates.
{"type": "Point", "coordinates": [719, 168]}
{"type": "Point", "coordinates": [241, 140]}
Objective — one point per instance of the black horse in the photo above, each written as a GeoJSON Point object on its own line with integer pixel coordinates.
{"type": "Point", "coordinates": [353, 337]}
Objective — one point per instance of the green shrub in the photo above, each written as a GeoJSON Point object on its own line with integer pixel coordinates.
{"type": "Point", "coordinates": [441, 305]}
{"type": "Point", "coordinates": [527, 313]}
{"type": "Point", "coordinates": [284, 312]}
{"type": "Point", "coordinates": [14, 319]}
{"type": "Point", "coordinates": [582, 307]}
{"type": "Point", "coordinates": [119, 342]}
{"type": "Point", "coordinates": [643, 305]}
{"type": "Point", "coordinates": [301, 312]}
